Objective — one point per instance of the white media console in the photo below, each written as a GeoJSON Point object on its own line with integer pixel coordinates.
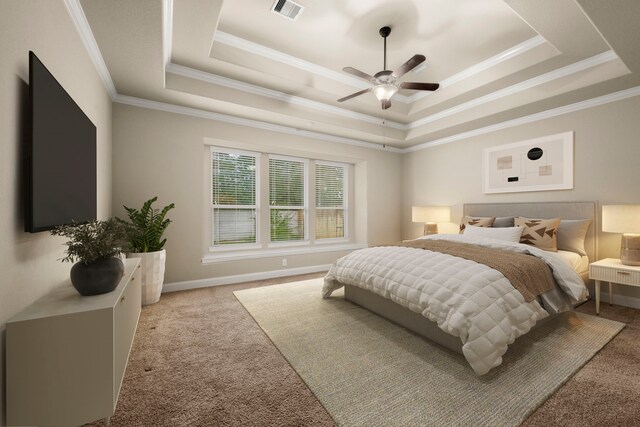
{"type": "Point", "coordinates": [66, 354]}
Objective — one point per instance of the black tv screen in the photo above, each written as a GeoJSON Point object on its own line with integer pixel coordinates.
{"type": "Point", "coordinates": [61, 155]}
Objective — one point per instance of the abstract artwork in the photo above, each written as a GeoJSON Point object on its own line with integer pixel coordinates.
{"type": "Point", "coordinates": [539, 164]}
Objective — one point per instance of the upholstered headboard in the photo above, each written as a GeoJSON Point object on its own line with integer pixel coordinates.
{"type": "Point", "coordinates": [564, 210]}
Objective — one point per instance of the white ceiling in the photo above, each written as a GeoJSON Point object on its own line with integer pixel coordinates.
{"type": "Point", "coordinates": [337, 33]}
{"type": "Point", "coordinates": [496, 60]}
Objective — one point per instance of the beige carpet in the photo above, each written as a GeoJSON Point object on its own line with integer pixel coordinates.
{"type": "Point", "coordinates": [198, 359]}
{"type": "Point", "coordinates": [367, 371]}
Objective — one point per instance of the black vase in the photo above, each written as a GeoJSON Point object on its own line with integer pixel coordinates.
{"type": "Point", "coordinates": [98, 277]}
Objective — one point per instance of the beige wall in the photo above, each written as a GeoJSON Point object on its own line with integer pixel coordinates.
{"type": "Point", "coordinates": [607, 151]}
{"type": "Point", "coordinates": [160, 153]}
{"type": "Point", "coordinates": [29, 262]}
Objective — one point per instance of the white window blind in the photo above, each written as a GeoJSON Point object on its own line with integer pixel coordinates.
{"type": "Point", "coordinates": [287, 199]}
{"type": "Point", "coordinates": [234, 197]}
{"type": "Point", "coordinates": [330, 200]}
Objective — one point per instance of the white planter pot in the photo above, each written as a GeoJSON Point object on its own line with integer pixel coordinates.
{"type": "Point", "coordinates": [152, 266]}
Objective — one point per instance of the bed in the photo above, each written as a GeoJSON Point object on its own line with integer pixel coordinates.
{"type": "Point", "coordinates": [430, 316]}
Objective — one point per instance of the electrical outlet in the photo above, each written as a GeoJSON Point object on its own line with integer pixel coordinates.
{"type": "Point", "coordinates": [284, 262]}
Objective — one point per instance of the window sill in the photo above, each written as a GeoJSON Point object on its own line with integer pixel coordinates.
{"type": "Point", "coordinates": [331, 241]}
{"type": "Point", "coordinates": [296, 243]}
{"type": "Point", "coordinates": [213, 258]}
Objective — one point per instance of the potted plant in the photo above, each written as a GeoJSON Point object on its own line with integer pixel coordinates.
{"type": "Point", "coordinates": [94, 247]}
{"type": "Point", "coordinates": [144, 235]}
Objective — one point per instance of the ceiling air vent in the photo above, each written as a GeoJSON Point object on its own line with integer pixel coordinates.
{"type": "Point", "coordinates": [287, 8]}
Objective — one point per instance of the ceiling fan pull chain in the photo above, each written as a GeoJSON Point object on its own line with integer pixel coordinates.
{"type": "Point", "coordinates": [384, 127]}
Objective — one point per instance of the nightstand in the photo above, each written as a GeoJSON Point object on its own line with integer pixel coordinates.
{"type": "Point", "coordinates": [613, 271]}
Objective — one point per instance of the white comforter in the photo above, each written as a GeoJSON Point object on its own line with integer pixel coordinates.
{"type": "Point", "coordinates": [466, 299]}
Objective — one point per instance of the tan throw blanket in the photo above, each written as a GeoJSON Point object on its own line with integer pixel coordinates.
{"type": "Point", "coordinates": [528, 274]}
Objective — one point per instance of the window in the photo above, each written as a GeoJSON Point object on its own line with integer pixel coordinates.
{"type": "Point", "coordinates": [330, 200]}
{"type": "Point", "coordinates": [234, 205]}
{"type": "Point", "coordinates": [265, 204]}
{"type": "Point", "coordinates": [287, 199]}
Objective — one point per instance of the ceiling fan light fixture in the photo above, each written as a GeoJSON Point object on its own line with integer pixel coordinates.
{"type": "Point", "coordinates": [384, 92]}
{"type": "Point", "coordinates": [386, 82]}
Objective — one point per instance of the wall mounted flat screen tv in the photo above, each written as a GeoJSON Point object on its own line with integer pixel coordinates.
{"type": "Point", "coordinates": [61, 155]}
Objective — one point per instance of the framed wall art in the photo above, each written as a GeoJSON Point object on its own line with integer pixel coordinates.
{"type": "Point", "coordinates": [539, 164]}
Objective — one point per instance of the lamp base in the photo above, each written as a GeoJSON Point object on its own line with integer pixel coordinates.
{"type": "Point", "coordinates": [430, 228]}
{"type": "Point", "coordinates": [630, 249]}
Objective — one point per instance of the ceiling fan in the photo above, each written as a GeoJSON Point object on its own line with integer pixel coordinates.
{"type": "Point", "coordinates": [385, 82]}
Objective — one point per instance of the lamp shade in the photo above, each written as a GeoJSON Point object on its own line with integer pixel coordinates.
{"type": "Point", "coordinates": [621, 219]}
{"type": "Point", "coordinates": [433, 214]}
{"type": "Point", "coordinates": [384, 92]}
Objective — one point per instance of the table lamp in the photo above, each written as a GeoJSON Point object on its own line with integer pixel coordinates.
{"type": "Point", "coordinates": [430, 216]}
{"type": "Point", "coordinates": [624, 219]}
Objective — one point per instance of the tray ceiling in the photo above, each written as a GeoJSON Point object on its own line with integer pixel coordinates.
{"type": "Point", "coordinates": [496, 60]}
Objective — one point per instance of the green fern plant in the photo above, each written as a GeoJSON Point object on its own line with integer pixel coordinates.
{"type": "Point", "coordinates": [92, 241]}
{"type": "Point", "coordinates": [147, 227]}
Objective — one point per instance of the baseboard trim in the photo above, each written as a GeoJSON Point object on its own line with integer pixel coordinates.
{"type": "Point", "coordinates": [627, 301]}
{"type": "Point", "coordinates": [239, 278]}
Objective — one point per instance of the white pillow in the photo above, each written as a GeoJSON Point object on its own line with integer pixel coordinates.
{"type": "Point", "coordinates": [509, 234]}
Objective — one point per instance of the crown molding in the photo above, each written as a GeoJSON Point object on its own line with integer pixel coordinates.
{"type": "Point", "coordinates": [485, 65]}
{"type": "Point", "coordinates": [274, 94]}
{"type": "Point", "coordinates": [258, 49]}
{"type": "Point", "coordinates": [502, 93]}
{"type": "Point", "coordinates": [86, 35]}
{"type": "Point", "coordinates": [565, 109]}
{"type": "Point", "coordinates": [275, 55]}
{"type": "Point", "coordinates": [241, 121]}
{"type": "Point", "coordinates": [167, 30]}
{"type": "Point", "coordinates": [519, 87]}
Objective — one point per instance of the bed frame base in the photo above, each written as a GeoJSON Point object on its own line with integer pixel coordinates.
{"type": "Point", "coordinates": [402, 316]}
{"type": "Point", "coordinates": [408, 319]}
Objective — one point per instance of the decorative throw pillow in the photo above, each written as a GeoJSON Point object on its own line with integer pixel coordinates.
{"type": "Point", "coordinates": [503, 221]}
{"type": "Point", "coordinates": [571, 235]}
{"type": "Point", "coordinates": [508, 234]}
{"type": "Point", "coordinates": [477, 221]}
{"type": "Point", "coordinates": [541, 233]}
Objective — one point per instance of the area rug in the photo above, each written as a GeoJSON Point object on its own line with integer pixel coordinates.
{"type": "Point", "coordinates": [366, 370]}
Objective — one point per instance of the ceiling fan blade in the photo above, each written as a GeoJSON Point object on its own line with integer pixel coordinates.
{"type": "Point", "coordinates": [386, 104]}
{"type": "Point", "coordinates": [353, 95]}
{"type": "Point", "coordinates": [360, 74]}
{"type": "Point", "coordinates": [419, 86]}
{"type": "Point", "coordinates": [409, 65]}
